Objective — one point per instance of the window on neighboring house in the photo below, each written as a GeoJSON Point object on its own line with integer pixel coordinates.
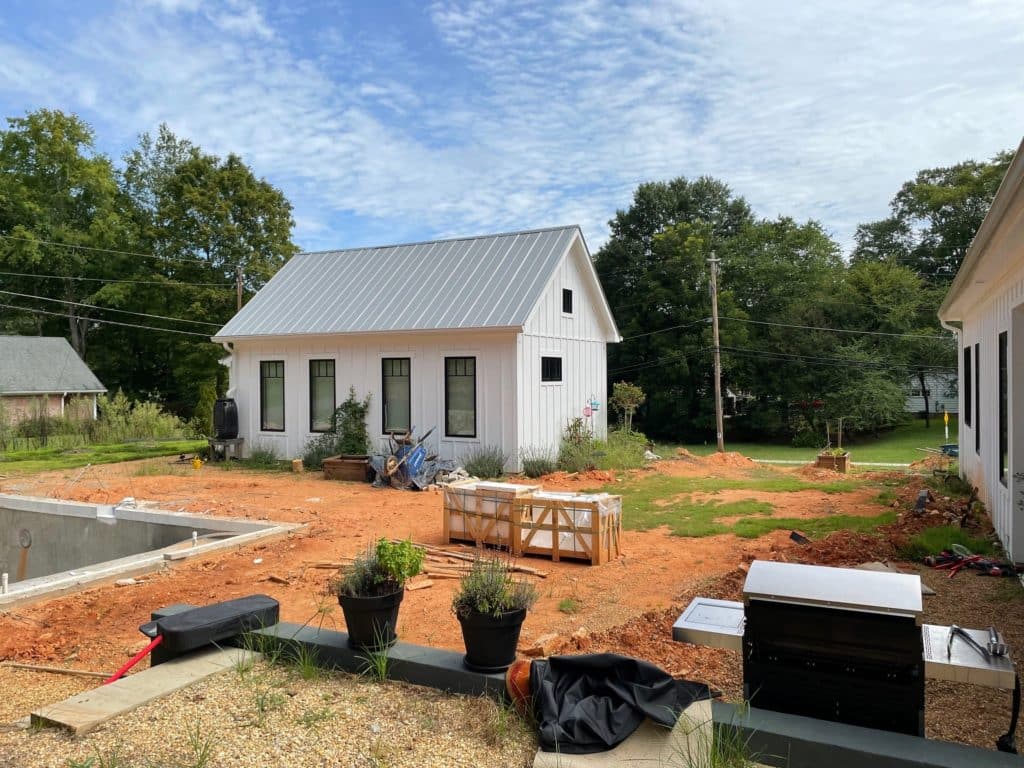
{"type": "Point", "coordinates": [397, 394]}
{"type": "Point", "coordinates": [977, 398]}
{"type": "Point", "coordinates": [321, 395]}
{"type": "Point", "coordinates": [1004, 413]}
{"type": "Point", "coordinates": [968, 405]}
{"type": "Point", "coordinates": [272, 395]}
{"type": "Point", "coordinates": [551, 369]}
{"type": "Point", "coordinates": [460, 396]}
{"type": "Point", "coordinates": [567, 301]}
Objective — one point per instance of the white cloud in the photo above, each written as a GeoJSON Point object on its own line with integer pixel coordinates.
{"type": "Point", "coordinates": [552, 115]}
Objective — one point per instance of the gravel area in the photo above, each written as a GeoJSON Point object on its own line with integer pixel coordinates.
{"type": "Point", "coordinates": [269, 716]}
{"type": "Point", "coordinates": [23, 691]}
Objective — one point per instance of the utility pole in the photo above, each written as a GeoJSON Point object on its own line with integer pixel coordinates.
{"type": "Point", "coordinates": [238, 287]}
{"type": "Point", "coordinates": [713, 261]}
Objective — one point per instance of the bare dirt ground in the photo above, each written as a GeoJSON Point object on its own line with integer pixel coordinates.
{"type": "Point", "coordinates": [626, 606]}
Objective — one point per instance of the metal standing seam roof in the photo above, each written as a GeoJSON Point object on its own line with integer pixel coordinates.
{"type": "Point", "coordinates": [492, 281]}
{"type": "Point", "coordinates": [43, 364]}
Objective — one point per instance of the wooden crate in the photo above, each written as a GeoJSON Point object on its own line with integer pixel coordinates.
{"type": "Point", "coordinates": [569, 525]}
{"type": "Point", "coordinates": [481, 512]}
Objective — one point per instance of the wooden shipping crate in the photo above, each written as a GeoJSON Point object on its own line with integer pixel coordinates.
{"type": "Point", "coordinates": [571, 525]}
{"type": "Point", "coordinates": [481, 512]}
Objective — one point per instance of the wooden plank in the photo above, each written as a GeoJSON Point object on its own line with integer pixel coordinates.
{"type": "Point", "coordinates": [84, 712]}
{"type": "Point", "coordinates": [57, 670]}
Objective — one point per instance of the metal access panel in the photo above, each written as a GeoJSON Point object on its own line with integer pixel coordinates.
{"type": "Point", "coordinates": [715, 623]}
{"type": "Point", "coordinates": [835, 644]}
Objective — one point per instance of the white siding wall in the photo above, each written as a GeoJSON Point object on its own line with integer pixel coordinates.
{"type": "Point", "coordinates": [580, 340]}
{"type": "Point", "coordinates": [358, 363]}
{"type": "Point", "coordinates": [986, 321]}
{"type": "Point", "coordinates": [937, 401]}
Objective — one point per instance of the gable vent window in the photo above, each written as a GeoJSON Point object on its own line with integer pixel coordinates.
{"type": "Point", "coordinates": [551, 369]}
{"type": "Point", "coordinates": [272, 395]}
{"type": "Point", "coordinates": [567, 301]}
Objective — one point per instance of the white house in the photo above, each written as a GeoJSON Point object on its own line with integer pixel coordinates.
{"type": "Point", "coordinates": [941, 390]}
{"type": "Point", "coordinates": [496, 340]}
{"type": "Point", "coordinates": [985, 306]}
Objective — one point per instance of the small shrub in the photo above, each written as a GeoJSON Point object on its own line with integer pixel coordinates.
{"type": "Point", "coordinates": [487, 461]}
{"type": "Point", "coordinates": [381, 570]}
{"type": "Point", "coordinates": [262, 457]}
{"type": "Point", "coordinates": [537, 462]}
{"type": "Point", "coordinates": [490, 589]}
{"type": "Point", "coordinates": [622, 450]}
{"type": "Point", "coordinates": [569, 605]}
{"type": "Point", "coordinates": [348, 433]}
{"type": "Point", "coordinates": [577, 452]}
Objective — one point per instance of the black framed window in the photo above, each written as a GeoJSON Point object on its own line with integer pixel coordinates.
{"type": "Point", "coordinates": [460, 396]}
{"type": "Point", "coordinates": [1004, 410]}
{"type": "Point", "coordinates": [567, 301]}
{"type": "Point", "coordinates": [977, 398]}
{"type": "Point", "coordinates": [551, 369]}
{"type": "Point", "coordinates": [397, 393]}
{"type": "Point", "coordinates": [321, 395]}
{"type": "Point", "coordinates": [272, 395]}
{"type": "Point", "coordinates": [968, 405]}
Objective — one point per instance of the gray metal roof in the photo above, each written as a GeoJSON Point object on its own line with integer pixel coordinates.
{"type": "Point", "coordinates": [475, 282]}
{"type": "Point", "coordinates": [30, 364]}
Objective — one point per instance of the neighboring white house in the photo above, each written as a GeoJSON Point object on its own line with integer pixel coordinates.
{"type": "Point", "coordinates": [942, 392]}
{"type": "Point", "coordinates": [44, 376]}
{"type": "Point", "coordinates": [496, 340]}
{"type": "Point", "coordinates": [985, 306]}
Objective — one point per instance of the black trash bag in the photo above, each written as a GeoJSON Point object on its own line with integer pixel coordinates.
{"type": "Point", "coordinates": [594, 702]}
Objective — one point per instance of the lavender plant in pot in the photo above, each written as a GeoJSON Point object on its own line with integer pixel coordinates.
{"type": "Point", "coordinates": [370, 591]}
{"type": "Point", "coordinates": [491, 607]}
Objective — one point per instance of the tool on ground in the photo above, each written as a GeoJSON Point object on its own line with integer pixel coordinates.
{"type": "Point", "coordinates": [958, 557]}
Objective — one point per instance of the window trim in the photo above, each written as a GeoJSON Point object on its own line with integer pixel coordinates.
{"type": "Point", "coordinates": [968, 386]}
{"type": "Point", "coordinates": [444, 372]}
{"type": "Point", "coordinates": [977, 398]}
{"type": "Point", "coordinates": [1003, 376]}
{"type": "Point", "coordinates": [561, 369]}
{"type": "Point", "coordinates": [284, 399]}
{"type": "Point", "coordinates": [383, 394]}
{"type": "Point", "coordinates": [334, 390]}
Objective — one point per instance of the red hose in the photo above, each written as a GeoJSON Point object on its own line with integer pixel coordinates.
{"type": "Point", "coordinates": [134, 660]}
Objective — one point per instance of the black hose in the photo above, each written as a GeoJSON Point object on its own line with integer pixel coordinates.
{"type": "Point", "coordinates": [1008, 741]}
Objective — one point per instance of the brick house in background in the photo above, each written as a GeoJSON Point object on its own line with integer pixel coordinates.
{"type": "Point", "coordinates": [41, 374]}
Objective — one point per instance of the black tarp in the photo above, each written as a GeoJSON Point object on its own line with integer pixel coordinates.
{"type": "Point", "coordinates": [593, 702]}
{"type": "Point", "coordinates": [197, 627]}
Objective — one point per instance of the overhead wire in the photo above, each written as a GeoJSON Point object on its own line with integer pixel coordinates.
{"type": "Point", "coordinates": [102, 321]}
{"type": "Point", "coordinates": [94, 249]}
{"type": "Point", "coordinates": [110, 309]}
{"type": "Point", "coordinates": [162, 283]}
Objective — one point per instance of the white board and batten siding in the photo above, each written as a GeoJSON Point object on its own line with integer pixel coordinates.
{"type": "Point", "coordinates": [579, 339]}
{"type": "Point", "coordinates": [358, 363]}
{"type": "Point", "coordinates": [985, 300]}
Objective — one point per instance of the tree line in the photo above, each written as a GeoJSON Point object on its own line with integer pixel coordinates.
{"type": "Point", "coordinates": [137, 263]}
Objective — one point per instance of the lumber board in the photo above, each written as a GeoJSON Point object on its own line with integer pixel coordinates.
{"type": "Point", "coordinates": [56, 670]}
{"type": "Point", "coordinates": [85, 711]}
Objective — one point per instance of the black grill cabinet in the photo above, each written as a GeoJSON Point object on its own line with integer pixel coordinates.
{"type": "Point", "coordinates": [836, 644]}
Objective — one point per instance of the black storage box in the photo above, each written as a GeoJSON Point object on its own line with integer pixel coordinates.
{"type": "Point", "coordinates": [225, 420]}
{"type": "Point", "coordinates": [835, 644]}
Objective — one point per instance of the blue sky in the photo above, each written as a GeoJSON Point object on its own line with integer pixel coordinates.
{"type": "Point", "coordinates": [393, 121]}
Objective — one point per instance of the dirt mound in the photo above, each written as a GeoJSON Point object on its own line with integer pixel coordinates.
{"type": "Point", "coordinates": [685, 455]}
{"type": "Point", "coordinates": [730, 459]}
{"type": "Point", "coordinates": [934, 461]}
{"type": "Point", "coordinates": [811, 472]}
{"type": "Point", "coordinates": [573, 480]}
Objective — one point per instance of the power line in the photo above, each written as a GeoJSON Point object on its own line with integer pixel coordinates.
{"type": "Point", "coordinates": [838, 361]}
{"type": "Point", "coordinates": [660, 361]}
{"type": "Point", "coordinates": [834, 330]}
{"type": "Point", "coordinates": [110, 309]}
{"type": "Point", "coordinates": [163, 283]}
{"type": "Point", "coordinates": [37, 241]}
{"type": "Point", "coordinates": [665, 330]}
{"type": "Point", "coordinates": [102, 321]}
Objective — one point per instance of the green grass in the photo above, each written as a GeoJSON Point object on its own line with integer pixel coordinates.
{"type": "Point", "coordinates": [569, 605]}
{"type": "Point", "coordinates": [47, 459]}
{"type": "Point", "coordinates": [931, 541]}
{"type": "Point", "coordinates": [898, 446]}
{"type": "Point", "coordinates": [660, 500]}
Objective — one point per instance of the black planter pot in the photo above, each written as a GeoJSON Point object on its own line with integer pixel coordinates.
{"type": "Point", "coordinates": [491, 640]}
{"type": "Point", "coordinates": [371, 620]}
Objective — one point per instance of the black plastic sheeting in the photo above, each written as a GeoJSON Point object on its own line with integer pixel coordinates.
{"type": "Point", "coordinates": [593, 702]}
{"type": "Point", "coordinates": [198, 627]}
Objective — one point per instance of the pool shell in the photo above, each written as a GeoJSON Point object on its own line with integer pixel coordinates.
{"type": "Point", "coordinates": [71, 545]}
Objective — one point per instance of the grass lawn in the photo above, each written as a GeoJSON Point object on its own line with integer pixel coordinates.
{"type": "Point", "coordinates": [45, 459]}
{"type": "Point", "coordinates": [897, 446]}
{"type": "Point", "coordinates": [649, 502]}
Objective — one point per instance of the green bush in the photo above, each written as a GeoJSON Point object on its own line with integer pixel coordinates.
{"type": "Point", "coordinates": [537, 462]}
{"type": "Point", "coordinates": [577, 452]}
{"type": "Point", "coordinates": [622, 450]}
{"type": "Point", "coordinates": [202, 416]}
{"type": "Point", "coordinates": [122, 419]}
{"type": "Point", "coordinates": [487, 461]}
{"type": "Point", "coordinates": [348, 433]}
{"type": "Point", "coordinates": [381, 570]}
{"type": "Point", "coordinates": [262, 457]}
{"type": "Point", "coordinates": [490, 589]}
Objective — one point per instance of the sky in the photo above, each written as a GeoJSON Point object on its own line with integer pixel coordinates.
{"type": "Point", "coordinates": [389, 121]}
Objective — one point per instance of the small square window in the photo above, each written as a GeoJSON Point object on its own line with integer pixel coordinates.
{"type": "Point", "coordinates": [567, 301]}
{"type": "Point", "coordinates": [551, 369]}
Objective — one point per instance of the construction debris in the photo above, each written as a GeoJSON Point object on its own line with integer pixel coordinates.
{"type": "Point", "coordinates": [407, 463]}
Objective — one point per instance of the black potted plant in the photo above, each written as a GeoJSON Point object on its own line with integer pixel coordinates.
{"type": "Point", "coordinates": [491, 607]}
{"type": "Point", "coordinates": [351, 440]}
{"type": "Point", "coordinates": [370, 591]}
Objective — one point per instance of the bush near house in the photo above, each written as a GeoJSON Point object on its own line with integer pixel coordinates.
{"type": "Point", "coordinates": [487, 461]}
